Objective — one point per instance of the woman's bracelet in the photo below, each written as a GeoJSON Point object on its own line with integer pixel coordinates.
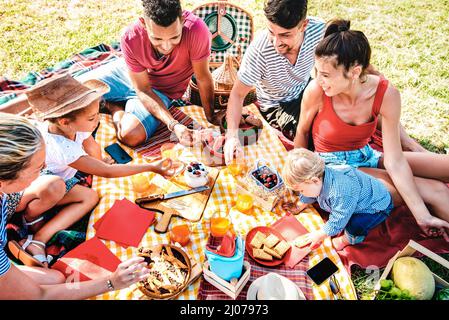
{"type": "Point", "coordinates": [110, 285]}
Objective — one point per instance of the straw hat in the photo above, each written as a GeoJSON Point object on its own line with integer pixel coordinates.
{"type": "Point", "coordinates": [62, 94]}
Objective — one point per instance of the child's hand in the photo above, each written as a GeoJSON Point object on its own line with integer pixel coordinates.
{"type": "Point", "coordinates": [107, 159]}
{"type": "Point", "coordinates": [164, 167]}
{"type": "Point", "coordinates": [316, 238]}
{"type": "Point", "coordinates": [293, 207]}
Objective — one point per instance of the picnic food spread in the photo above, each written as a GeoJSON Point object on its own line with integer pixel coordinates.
{"type": "Point", "coordinates": [169, 271]}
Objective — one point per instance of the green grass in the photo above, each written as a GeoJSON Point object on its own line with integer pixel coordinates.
{"type": "Point", "coordinates": [409, 41]}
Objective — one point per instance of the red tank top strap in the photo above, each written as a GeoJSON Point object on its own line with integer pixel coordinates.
{"type": "Point", "coordinates": [380, 92]}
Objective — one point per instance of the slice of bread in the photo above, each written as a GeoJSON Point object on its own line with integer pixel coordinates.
{"type": "Point", "coordinates": [257, 240]}
{"type": "Point", "coordinates": [272, 252]}
{"type": "Point", "coordinates": [302, 241]}
{"type": "Point", "coordinates": [260, 254]}
{"type": "Point", "coordinates": [282, 247]}
{"type": "Point", "coordinates": [271, 241]}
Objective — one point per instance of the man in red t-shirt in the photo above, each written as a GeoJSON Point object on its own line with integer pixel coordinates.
{"type": "Point", "coordinates": [162, 51]}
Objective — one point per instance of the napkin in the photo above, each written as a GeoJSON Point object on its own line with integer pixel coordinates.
{"type": "Point", "coordinates": [125, 223]}
{"type": "Point", "coordinates": [290, 228]}
{"type": "Point", "coordinates": [90, 260]}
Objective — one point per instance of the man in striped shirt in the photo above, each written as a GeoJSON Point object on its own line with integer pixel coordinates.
{"type": "Point", "coordinates": [278, 63]}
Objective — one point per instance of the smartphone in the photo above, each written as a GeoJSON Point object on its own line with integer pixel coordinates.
{"type": "Point", "coordinates": [322, 271]}
{"type": "Point", "coordinates": [118, 153]}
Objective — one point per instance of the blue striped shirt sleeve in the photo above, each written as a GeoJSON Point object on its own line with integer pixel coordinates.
{"type": "Point", "coordinates": [342, 210]}
{"type": "Point", "coordinates": [252, 66]}
{"type": "Point", "coordinates": [5, 264]}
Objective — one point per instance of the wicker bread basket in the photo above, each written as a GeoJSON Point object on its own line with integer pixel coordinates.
{"type": "Point", "coordinates": [175, 252]}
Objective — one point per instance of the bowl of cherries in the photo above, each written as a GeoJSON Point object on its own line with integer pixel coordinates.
{"type": "Point", "coordinates": [266, 177]}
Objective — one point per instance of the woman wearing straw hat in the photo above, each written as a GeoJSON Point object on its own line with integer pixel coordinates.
{"type": "Point", "coordinates": [22, 156]}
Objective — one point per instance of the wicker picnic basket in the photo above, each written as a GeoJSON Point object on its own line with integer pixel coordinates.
{"type": "Point", "coordinates": [232, 31]}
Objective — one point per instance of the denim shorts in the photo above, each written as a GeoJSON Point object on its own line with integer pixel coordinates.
{"type": "Point", "coordinates": [361, 223]}
{"type": "Point", "coordinates": [69, 183]}
{"type": "Point", "coordinates": [115, 74]}
{"type": "Point", "coordinates": [364, 157]}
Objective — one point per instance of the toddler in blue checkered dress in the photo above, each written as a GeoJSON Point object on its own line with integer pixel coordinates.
{"type": "Point", "coordinates": [356, 201]}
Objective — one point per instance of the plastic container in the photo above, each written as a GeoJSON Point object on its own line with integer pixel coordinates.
{"type": "Point", "coordinates": [263, 167]}
{"type": "Point", "coordinates": [228, 268]}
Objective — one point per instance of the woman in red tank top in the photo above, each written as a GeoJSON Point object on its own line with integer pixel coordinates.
{"type": "Point", "coordinates": [342, 106]}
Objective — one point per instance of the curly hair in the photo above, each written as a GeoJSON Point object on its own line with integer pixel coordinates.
{"type": "Point", "coordinates": [162, 12]}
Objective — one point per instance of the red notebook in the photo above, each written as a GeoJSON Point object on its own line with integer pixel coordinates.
{"type": "Point", "coordinates": [125, 223]}
{"type": "Point", "coordinates": [291, 228]}
{"type": "Point", "coordinates": [90, 260]}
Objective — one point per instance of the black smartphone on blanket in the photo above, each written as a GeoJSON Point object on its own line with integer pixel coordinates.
{"type": "Point", "coordinates": [322, 271]}
{"type": "Point", "coordinates": [118, 153]}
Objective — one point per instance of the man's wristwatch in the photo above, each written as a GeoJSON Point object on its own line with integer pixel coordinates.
{"type": "Point", "coordinates": [172, 124]}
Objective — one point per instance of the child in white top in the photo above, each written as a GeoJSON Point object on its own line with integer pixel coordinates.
{"type": "Point", "coordinates": [69, 111]}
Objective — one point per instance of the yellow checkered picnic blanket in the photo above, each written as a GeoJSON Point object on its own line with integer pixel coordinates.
{"type": "Point", "coordinates": [269, 148]}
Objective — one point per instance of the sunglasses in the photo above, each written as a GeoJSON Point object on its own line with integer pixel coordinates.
{"type": "Point", "coordinates": [335, 287]}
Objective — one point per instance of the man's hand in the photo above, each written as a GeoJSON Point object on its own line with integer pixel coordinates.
{"type": "Point", "coordinates": [434, 227]}
{"type": "Point", "coordinates": [232, 147]}
{"type": "Point", "coordinates": [216, 117]}
{"type": "Point", "coordinates": [184, 134]}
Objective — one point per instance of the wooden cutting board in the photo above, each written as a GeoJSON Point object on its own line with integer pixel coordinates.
{"type": "Point", "coordinates": [190, 207]}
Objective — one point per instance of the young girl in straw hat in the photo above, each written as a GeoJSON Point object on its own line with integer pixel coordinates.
{"type": "Point", "coordinates": [69, 112]}
{"type": "Point", "coordinates": [22, 156]}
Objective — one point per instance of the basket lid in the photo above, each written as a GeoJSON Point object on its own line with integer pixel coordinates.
{"type": "Point", "coordinates": [230, 25]}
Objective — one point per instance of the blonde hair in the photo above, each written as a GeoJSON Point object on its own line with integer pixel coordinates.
{"type": "Point", "coordinates": [19, 141]}
{"type": "Point", "coordinates": [302, 165]}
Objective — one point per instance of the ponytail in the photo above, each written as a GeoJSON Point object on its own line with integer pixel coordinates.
{"type": "Point", "coordinates": [349, 47]}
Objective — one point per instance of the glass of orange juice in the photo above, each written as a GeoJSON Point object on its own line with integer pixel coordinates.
{"type": "Point", "coordinates": [219, 224]}
{"type": "Point", "coordinates": [244, 203]}
{"type": "Point", "coordinates": [237, 167]}
{"type": "Point", "coordinates": [180, 234]}
{"type": "Point", "coordinates": [141, 182]}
